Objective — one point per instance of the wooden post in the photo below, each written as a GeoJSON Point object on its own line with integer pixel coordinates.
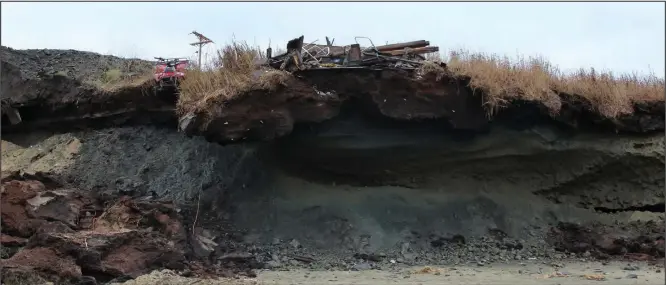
{"type": "Point", "coordinates": [200, 65]}
{"type": "Point", "coordinates": [354, 54]}
{"type": "Point", "coordinates": [203, 40]}
{"type": "Point", "coordinates": [12, 114]}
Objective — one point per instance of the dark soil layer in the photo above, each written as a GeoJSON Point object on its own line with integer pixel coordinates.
{"type": "Point", "coordinates": [56, 89]}
{"type": "Point", "coordinates": [638, 241]}
{"type": "Point", "coordinates": [397, 95]}
{"type": "Point", "coordinates": [47, 98]}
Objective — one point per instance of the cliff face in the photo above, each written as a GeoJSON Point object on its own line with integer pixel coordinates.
{"type": "Point", "coordinates": [386, 130]}
{"type": "Point", "coordinates": [355, 186]}
{"type": "Point", "coordinates": [356, 161]}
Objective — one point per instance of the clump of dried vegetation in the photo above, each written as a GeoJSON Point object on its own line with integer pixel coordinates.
{"type": "Point", "coordinates": [233, 71]}
{"type": "Point", "coordinates": [128, 73]}
{"type": "Point", "coordinates": [502, 79]}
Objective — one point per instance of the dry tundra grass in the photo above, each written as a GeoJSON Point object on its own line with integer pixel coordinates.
{"type": "Point", "coordinates": [502, 79]}
{"type": "Point", "coordinates": [232, 73]}
{"type": "Point", "coordinates": [129, 73]}
{"type": "Point", "coordinates": [124, 81]}
{"type": "Point", "coordinates": [499, 79]}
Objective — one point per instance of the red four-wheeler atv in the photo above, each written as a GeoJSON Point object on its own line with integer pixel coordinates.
{"type": "Point", "coordinates": [169, 72]}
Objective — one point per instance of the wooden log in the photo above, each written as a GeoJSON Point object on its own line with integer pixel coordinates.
{"type": "Point", "coordinates": [354, 54]}
{"type": "Point", "coordinates": [13, 115]}
{"type": "Point", "coordinates": [400, 46]}
{"type": "Point", "coordinates": [421, 50]}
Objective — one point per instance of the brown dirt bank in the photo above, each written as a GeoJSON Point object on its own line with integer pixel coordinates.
{"type": "Point", "coordinates": [47, 98]}
{"type": "Point", "coordinates": [318, 95]}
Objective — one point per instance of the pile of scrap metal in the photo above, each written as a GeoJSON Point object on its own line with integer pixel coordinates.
{"type": "Point", "coordinates": [300, 56]}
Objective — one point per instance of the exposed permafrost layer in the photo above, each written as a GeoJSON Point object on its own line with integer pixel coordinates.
{"type": "Point", "coordinates": [364, 187]}
{"type": "Point", "coordinates": [587, 170]}
{"type": "Point", "coordinates": [355, 186]}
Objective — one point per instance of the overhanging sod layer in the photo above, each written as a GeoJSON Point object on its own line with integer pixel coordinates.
{"type": "Point", "coordinates": [317, 95]}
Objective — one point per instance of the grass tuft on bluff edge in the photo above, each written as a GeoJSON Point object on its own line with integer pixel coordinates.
{"type": "Point", "coordinates": [233, 72]}
{"type": "Point", "coordinates": [501, 79]}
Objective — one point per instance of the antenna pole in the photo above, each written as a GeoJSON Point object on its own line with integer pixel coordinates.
{"type": "Point", "coordinates": [200, 46]}
{"type": "Point", "coordinates": [203, 40]}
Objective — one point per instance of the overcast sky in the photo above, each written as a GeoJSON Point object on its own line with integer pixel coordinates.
{"type": "Point", "coordinates": [622, 37]}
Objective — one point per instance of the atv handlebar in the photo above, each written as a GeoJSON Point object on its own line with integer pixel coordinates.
{"type": "Point", "coordinates": [177, 59]}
